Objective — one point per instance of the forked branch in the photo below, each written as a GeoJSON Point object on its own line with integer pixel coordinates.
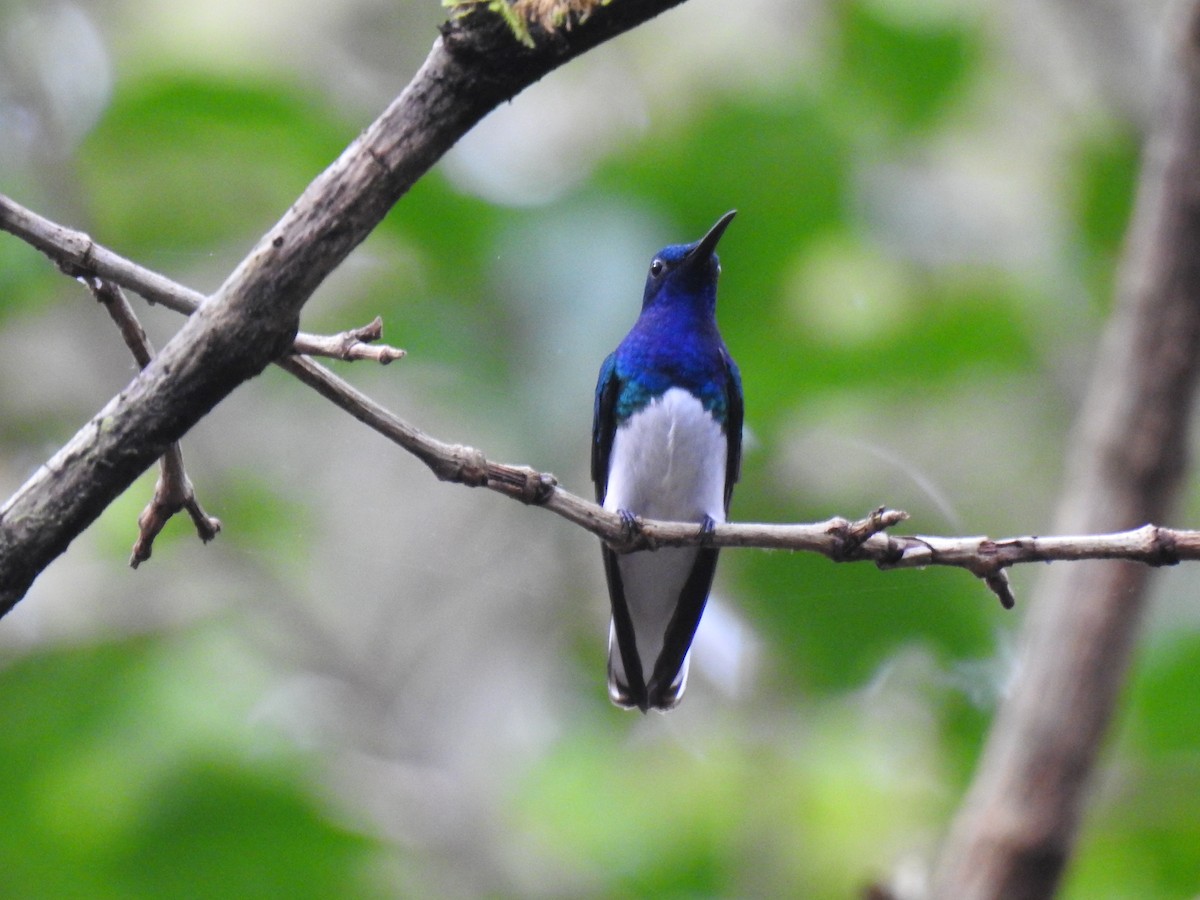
{"type": "Point", "coordinates": [841, 540]}
{"type": "Point", "coordinates": [77, 255]}
{"type": "Point", "coordinates": [173, 491]}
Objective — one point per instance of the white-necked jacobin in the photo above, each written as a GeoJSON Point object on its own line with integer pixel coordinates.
{"type": "Point", "coordinates": [666, 444]}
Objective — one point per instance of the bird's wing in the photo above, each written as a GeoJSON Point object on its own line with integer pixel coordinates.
{"type": "Point", "coordinates": [733, 425]}
{"type": "Point", "coordinates": [604, 423]}
{"type": "Point", "coordinates": [633, 690]}
{"type": "Point", "coordinates": [604, 427]}
{"type": "Point", "coordinates": [681, 630]}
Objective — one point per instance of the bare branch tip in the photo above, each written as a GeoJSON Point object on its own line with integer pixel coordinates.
{"type": "Point", "coordinates": [999, 585]}
{"type": "Point", "coordinates": [351, 345]}
{"type": "Point", "coordinates": [155, 517]}
{"type": "Point", "coordinates": [207, 527]}
{"type": "Point", "coordinates": [372, 331]}
{"type": "Point", "coordinates": [852, 535]}
{"type": "Point", "coordinates": [150, 523]}
{"type": "Point", "coordinates": [390, 354]}
{"type": "Point", "coordinates": [140, 553]}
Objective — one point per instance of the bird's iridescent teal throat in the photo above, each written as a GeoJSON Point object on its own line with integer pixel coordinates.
{"type": "Point", "coordinates": [636, 395]}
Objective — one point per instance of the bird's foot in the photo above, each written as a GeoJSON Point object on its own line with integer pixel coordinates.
{"type": "Point", "coordinates": [631, 528]}
{"type": "Point", "coordinates": [707, 525]}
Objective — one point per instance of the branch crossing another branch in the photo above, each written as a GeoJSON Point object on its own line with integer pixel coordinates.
{"type": "Point", "coordinates": [841, 540]}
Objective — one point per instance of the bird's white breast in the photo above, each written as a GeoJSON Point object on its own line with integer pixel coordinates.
{"type": "Point", "coordinates": [668, 462]}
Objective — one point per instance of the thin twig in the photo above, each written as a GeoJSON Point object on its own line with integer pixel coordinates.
{"type": "Point", "coordinates": [839, 539]}
{"type": "Point", "coordinates": [112, 298]}
{"type": "Point", "coordinates": [77, 255]}
{"type": "Point", "coordinates": [357, 343]}
{"type": "Point", "coordinates": [173, 491]}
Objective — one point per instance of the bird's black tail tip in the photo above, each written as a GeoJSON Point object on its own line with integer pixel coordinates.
{"type": "Point", "coordinates": [654, 698]}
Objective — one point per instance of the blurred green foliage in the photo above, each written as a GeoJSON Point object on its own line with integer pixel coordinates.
{"type": "Point", "coordinates": [103, 797]}
{"type": "Point", "coordinates": [900, 73]}
{"type": "Point", "coordinates": [1105, 172]}
{"type": "Point", "coordinates": [816, 787]}
{"type": "Point", "coordinates": [22, 285]}
{"type": "Point", "coordinates": [188, 162]}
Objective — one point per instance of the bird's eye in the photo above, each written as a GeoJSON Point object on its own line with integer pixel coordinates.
{"type": "Point", "coordinates": [656, 267]}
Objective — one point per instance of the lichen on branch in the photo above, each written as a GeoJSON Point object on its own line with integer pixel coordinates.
{"type": "Point", "coordinates": [549, 15]}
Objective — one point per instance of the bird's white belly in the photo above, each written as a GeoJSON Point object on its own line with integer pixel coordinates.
{"type": "Point", "coordinates": [668, 462]}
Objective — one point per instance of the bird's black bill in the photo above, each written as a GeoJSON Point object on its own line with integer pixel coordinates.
{"type": "Point", "coordinates": [707, 244]}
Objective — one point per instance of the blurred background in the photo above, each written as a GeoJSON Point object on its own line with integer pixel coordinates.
{"type": "Point", "coordinates": [372, 684]}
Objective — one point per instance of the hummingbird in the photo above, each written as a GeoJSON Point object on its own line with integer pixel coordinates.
{"type": "Point", "coordinates": [666, 444]}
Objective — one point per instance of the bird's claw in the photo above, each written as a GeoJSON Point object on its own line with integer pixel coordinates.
{"type": "Point", "coordinates": [631, 526]}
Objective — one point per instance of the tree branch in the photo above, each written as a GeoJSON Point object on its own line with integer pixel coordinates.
{"type": "Point", "coordinates": [77, 255]}
{"type": "Point", "coordinates": [357, 343]}
{"type": "Point", "coordinates": [1017, 827]}
{"type": "Point", "coordinates": [173, 491]}
{"type": "Point", "coordinates": [252, 319]}
{"type": "Point", "coordinates": [838, 539]}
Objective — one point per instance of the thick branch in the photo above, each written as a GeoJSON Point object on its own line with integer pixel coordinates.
{"type": "Point", "coordinates": [252, 319]}
{"type": "Point", "coordinates": [1018, 825]}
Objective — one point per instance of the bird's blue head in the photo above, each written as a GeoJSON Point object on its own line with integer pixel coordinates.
{"type": "Point", "coordinates": [687, 272]}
